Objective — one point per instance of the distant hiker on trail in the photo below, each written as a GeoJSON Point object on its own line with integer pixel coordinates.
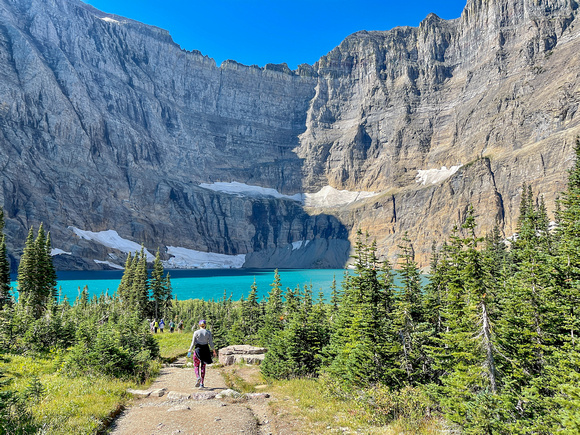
{"type": "Point", "coordinates": [155, 326]}
{"type": "Point", "coordinates": [180, 326]}
{"type": "Point", "coordinates": [171, 326]}
{"type": "Point", "coordinates": [152, 325]}
{"type": "Point", "coordinates": [161, 325]}
{"type": "Point", "coordinates": [202, 342]}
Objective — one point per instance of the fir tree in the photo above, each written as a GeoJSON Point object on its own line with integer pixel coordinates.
{"type": "Point", "coordinates": [409, 318]}
{"type": "Point", "coordinates": [126, 284]}
{"type": "Point", "coordinates": [157, 286]}
{"type": "Point", "coordinates": [5, 296]}
{"type": "Point", "coordinates": [36, 276]}
{"type": "Point", "coordinates": [140, 287]}
{"type": "Point", "coordinates": [361, 349]}
{"type": "Point", "coordinates": [273, 312]}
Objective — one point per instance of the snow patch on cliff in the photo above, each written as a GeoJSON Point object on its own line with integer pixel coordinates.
{"type": "Point", "coordinates": [184, 258]}
{"type": "Point", "coordinates": [434, 176]}
{"type": "Point", "coordinates": [242, 189]}
{"type": "Point", "coordinates": [57, 251]}
{"type": "Point", "coordinates": [110, 20]}
{"type": "Point", "coordinates": [326, 197]}
{"type": "Point", "coordinates": [108, 263]}
{"type": "Point", "coordinates": [111, 239]}
{"type": "Point", "coordinates": [330, 197]}
{"type": "Point", "coordinates": [300, 244]}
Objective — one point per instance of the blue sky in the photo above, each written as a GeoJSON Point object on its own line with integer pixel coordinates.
{"type": "Point", "coordinates": [275, 31]}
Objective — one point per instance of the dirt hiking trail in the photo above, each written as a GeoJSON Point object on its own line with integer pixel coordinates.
{"type": "Point", "coordinates": [176, 406]}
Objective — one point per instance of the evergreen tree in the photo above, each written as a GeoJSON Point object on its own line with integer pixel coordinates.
{"type": "Point", "coordinates": [5, 297]}
{"type": "Point", "coordinates": [273, 312]}
{"type": "Point", "coordinates": [36, 276]}
{"type": "Point", "coordinates": [467, 351]}
{"type": "Point", "coordinates": [362, 348]}
{"type": "Point", "coordinates": [409, 318]}
{"type": "Point", "coordinates": [157, 286]}
{"type": "Point", "coordinates": [126, 284]}
{"type": "Point", "coordinates": [140, 287]}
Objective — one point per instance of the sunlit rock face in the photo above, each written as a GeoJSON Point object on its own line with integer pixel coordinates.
{"type": "Point", "coordinates": [106, 124]}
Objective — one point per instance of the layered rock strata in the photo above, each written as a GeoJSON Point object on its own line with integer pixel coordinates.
{"type": "Point", "coordinates": [105, 124]}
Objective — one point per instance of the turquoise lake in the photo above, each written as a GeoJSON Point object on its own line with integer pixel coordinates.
{"type": "Point", "coordinates": [204, 283]}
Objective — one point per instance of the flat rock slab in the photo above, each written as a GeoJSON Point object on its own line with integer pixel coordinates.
{"type": "Point", "coordinates": [250, 354]}
{"type": "Point", "coordinates": [179, 408]}
{"type": "Point", "coordinates": [178, 395]}
{"type": "Point", "coordinates": [204, 395]}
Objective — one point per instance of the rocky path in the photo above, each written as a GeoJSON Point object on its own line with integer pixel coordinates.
{"type": "Point", "coordinates": [173, 405]}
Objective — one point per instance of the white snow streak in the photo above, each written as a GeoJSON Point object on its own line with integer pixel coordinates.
{"type": "Point", "coordinates": [300, 244]}
{"type": "Point", "coordinates": [56, 251]}
{"type": "Point", "coordinates": [331, 197]}
{"type": "Point", "coordinates": [326, 197]}
{"type": "Point", "coordinates": [108, 263]}
{"type": "Point", "coordinates": [184, 258]}
{"type": "Point", "coordinates": [242, 189]}
{"type": "Point", "coordinates": [434, 176]}
{"type": "Point", "coordinates": [110, 20]}
{"type": "Point", "coordinates": [111, 239]}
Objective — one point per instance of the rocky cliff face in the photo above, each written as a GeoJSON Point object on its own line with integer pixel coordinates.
{"type": "Point", "coordinates": [496, 90]}
{"type": "Point", "coordinates": [105, 124]}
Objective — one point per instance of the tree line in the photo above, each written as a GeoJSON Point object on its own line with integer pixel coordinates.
{"type": "Point", "coordinates": [489, 341]}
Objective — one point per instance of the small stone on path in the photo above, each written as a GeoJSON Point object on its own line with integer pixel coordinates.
{"type": "Point", "coordinates": [179, 408]}
{"type": "Point", "coordinates": [176, 395]}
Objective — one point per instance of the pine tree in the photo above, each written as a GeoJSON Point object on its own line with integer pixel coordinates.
{"type": "Point", "coordinates": [273, 312]}
{"type": "Point", "coordinates": [140, 287]}
{"type": "Point", "coordinates": [157, 286]}
{"type": "Point", "coordinates": [569, 250]}
{"type": "Point", "coordinates": [467, 351]}
{"type": "Point", "coordinates": [409, 318]}
{"type": "Point", "coordinates": [564, 368]}
{"type": "Point", "coordinates": [36, 276]}
{"type": "Point", "coordinates": [361, 348]}
{"type": "Point", "coordinates": [126, 284]}
{"type": "Point", "coordinates": [5, 296]}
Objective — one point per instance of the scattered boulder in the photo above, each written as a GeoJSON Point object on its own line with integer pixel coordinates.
{"type": "Point", "coordinates": [238, 353]}
{"type": "Point", "coordinates": [159, 392]}
{"type": "Point", "coordinates": [176, 395]}
{"type": "Point", "coordinates": [204, 395]}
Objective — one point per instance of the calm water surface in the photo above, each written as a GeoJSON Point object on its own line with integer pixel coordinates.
{"type": "Point", "coordinates": [204, 283]}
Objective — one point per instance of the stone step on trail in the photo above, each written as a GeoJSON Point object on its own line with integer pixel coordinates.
{"type": "Point", "coordinates": [184, 409]}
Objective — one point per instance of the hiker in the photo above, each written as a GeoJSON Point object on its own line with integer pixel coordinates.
{"type": "Point", "coordinates": [161, 325]}
{"type": "Point", "coordinates": [155, 326]}
{"type": "Point", "coordinates": [202, 342]}
{"type": "Point", "coordinates": [180, 326]}
{"type": "Point", "coordinates": [151, 325]}
{"type": "Point", "coordinates": [171, 326]}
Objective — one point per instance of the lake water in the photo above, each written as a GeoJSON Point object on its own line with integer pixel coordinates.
{"type": "Point", "coordinates": [204, 283]}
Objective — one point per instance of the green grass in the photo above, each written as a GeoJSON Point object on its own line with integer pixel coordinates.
{"type": "Point", "coordinates": [66, 405]}
{"type": "Point", "coordinates": [79, 405]}
{"type": "Point", "coordinates": [173, 345]}
{"type": "Point", "coordinates": [307, 401]}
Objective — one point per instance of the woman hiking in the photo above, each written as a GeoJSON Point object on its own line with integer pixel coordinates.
{"type": "Point", "coordinates": [202, 342]}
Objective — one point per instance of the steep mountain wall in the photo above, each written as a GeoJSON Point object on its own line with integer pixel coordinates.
{"type": "Point", "coordinates": [105, 124]}
{"type": "Point", "coordinates": [496, 90]}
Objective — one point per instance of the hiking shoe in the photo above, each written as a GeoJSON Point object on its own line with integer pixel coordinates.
{"type": "Point", "coordinates": [201, 386]}
{"type": "Point", "coordinates": [198, 383]}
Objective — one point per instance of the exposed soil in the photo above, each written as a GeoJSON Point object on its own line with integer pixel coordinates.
{"type": "Point", "coordinates": [199, 414]}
